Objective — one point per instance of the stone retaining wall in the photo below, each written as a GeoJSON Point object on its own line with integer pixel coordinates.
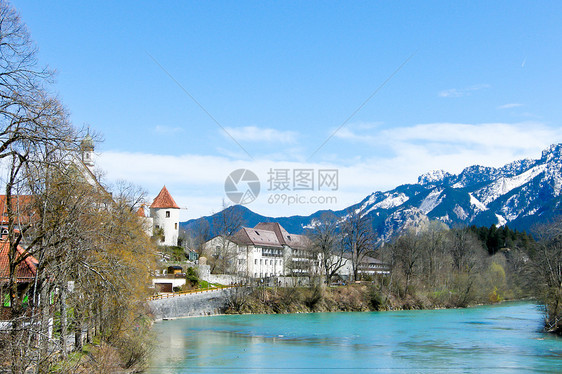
{"type": "Point", "coordinates": [193, 305]}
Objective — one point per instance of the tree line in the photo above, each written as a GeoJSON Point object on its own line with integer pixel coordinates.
{"type": "Point", "coordinates": [436, 266]}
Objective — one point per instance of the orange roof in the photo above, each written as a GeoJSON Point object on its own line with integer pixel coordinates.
{"type": "Point", "coordinates": [249, 236]}
{"type": "Point", "coordinates": [26, 269]}
{"type": "Point", "coordinates": [164, 200]}
{"type": "Point", "coordinates": [140, 212]}
{"type": "Point", "coordinates": [292, 240]}
{"type": "Point", "coordinates": [22, 206]}
{"type": "Point", "coordinates": [270, 234]}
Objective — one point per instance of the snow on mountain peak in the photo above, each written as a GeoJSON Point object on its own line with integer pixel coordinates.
{"type": "Point", "coordinates": [503, 185]}
{"type": "Point", "coordinates": [433, 199]}
{"type": "Point", "coordinates": [552, 152]}
{"type": "Point", "coordinates": [392, 200]}
{"type": "Point", "coordinates": [478, 206]}
{"type": "Point", "coordinates": [433, 176]}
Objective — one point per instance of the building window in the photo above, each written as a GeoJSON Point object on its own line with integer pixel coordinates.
{"type": "Point", "coordinates": [167, 214]}
{"type": "Point", "coordinates": [176, 225]}
{"type": "Point", "coordinates": [256, 261]}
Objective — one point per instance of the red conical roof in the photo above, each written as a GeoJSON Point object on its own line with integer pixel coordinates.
{"type": "Point", "coordinates": [140, 212]}
{"type": "Point", "coordinates": [164, 200]}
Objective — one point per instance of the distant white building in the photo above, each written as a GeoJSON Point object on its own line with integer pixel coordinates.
{"type": "Point", "coordinates": [369, 266]}
{"type": "Point", "coordinates": [265, 251]}
{"type": "Point", "coordinates": [165, 215]}
{"type": "Point", "coordinates": [269, 251]}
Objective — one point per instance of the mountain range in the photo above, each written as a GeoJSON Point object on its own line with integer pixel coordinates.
{"type": "Point", "coordinates": [519, 194]}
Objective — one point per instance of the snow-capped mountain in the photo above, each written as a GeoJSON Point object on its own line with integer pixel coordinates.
{"type": "Point", "coordinates": [519, 194]}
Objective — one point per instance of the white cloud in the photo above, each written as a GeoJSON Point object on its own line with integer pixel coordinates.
{"type": "Point", "coordinates": [460, 92]}
{"type": "Point", "coordinates": [259, 134]}
{"type": "Point", "coordinates": [510, 106]}
{"type": "Point", "coordinates": [457, 136]}
{"type": "Point", "coordinates": [527, 135]}
{"type": "Point", "coordinates": [197, 181]}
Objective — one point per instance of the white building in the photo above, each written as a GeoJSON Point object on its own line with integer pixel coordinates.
{"type": "Point", "coordinates": [369, 266]}
{"type": "Point", "coordinates": [165, 214]}
{"type": "Point", "coordinates": [269, 251]}
{"type": "Point", "coordinates": [265, 251]}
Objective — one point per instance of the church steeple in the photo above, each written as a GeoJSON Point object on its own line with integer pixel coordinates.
{"type": "Point", "coordinates": [87, 149]}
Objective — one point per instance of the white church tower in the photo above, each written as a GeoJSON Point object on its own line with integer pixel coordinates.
{"type": "Point", "coordinates": [87, 150]}
{"type": "Point", "coordinates": [166, 215]}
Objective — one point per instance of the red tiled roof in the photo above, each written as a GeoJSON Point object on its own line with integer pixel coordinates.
{"type": "Point", "coordinates": [140, 212]}
{"type": "Point", "coordinates": [164, 200]}
{"type": "Point", "coordinates": [22, 206]}
{"type": "Point", "coordinates": [292, 240]}
{"type": "Point", "coordinates": [270, 234]}
{"type": "Point", "coordinates": [250, 236]}
{"type": "Point", "coordinates": [26, 269]}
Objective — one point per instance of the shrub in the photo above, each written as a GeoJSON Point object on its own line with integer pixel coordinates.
{"type": "Point", "coordinates": [376, 300]}
{"type": "Point", "coordinates": [191, 277]}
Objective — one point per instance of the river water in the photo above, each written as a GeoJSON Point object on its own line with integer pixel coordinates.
{"type": "Point", "coordinates": [497, 339]}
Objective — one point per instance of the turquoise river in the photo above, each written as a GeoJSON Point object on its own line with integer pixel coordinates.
{"type": "Point", "coordinates": [503, 338]}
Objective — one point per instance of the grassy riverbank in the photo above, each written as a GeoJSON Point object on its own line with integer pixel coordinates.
{"type": "Point", "coordinates": [350, 298]}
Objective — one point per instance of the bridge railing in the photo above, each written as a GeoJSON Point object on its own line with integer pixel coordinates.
{"type": "Point", "coordinates": [181, 293]}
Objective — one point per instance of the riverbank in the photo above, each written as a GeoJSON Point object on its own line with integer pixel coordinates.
{"type": "Point", "coordinates": [349, 298]}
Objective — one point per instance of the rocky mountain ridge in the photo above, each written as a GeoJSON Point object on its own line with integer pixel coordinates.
{"type": "Point", "coordinates": [520, 194]}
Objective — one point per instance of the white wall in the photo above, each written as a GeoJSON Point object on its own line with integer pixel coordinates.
{"type": "Point", "coordinates": [170, 224]}
{"type": "Point", "coordinates": [147, 225]}
{"type": "Point", "coordinates": [249, 261]}
{"type": "Point", "coordinates": [176, 282]}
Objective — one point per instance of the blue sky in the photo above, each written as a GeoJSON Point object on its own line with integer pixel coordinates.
{"type": "Point", "coordinates": [470, 83]}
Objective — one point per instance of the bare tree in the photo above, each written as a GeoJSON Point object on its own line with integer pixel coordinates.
{"type": "Point", "coordinates": [223, 255]}
{"type": "Point", "coordinates": [61, 216]}
{"type": "Point", "coordinates": [435, 258]}
{"type": "Point", "coordinates": [465, 249]}
{"type": "Point", "coordinates": [407, 251]}
{"type": "Point", "coordinates": [35, 136]}
{"type": "Point", "coordinates": [358, 238]}
{"type": "Point", "coordinates": [198, 235]}
{"type": "Point", "coordinates": [326, 245]}
{"type": "Point", "coordinates": [547, 269]}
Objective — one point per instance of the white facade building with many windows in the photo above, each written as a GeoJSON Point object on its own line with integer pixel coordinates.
{"type": "Point", "coordinates": [265, 251]}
